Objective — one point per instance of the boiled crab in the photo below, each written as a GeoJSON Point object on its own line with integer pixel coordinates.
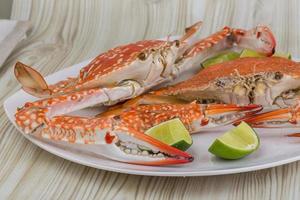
{"type": "Point", "coordinates": [121, 137]}
{"type": "Point", "coordinates": [122, 73]}
{"type": "Point", "coordinates": [268, 81]}
{"type": "Point", "coordinates": [128, 71]}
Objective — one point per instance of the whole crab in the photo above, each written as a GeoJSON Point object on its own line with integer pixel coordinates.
{"type": "Point", "coordinates": [272, 82]}
{"type": "Point", "coordinates": [267, 81]}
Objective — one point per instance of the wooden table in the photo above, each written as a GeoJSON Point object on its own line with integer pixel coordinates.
{"type": "Point", "coordinates": [67, 32]}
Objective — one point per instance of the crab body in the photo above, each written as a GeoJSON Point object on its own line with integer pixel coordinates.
{"type": "Point", "coordinates": [145, 62]}
{"type": "Point", "coordinates": [266, 81]}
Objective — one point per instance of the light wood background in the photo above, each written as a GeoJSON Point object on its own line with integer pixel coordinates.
{"type": "Point", "coordinates": [69, 31]}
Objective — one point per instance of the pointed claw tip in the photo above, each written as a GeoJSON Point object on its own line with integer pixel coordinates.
{"type": "Point", "coordinates": [237, 123]}
{"type": "Point", "coordinates": [168, 161]}
{"type": "Point", "coordinates": [293, 135]}
{"type": "Point", "coordinates": [190, 159]}
{"type": "Point", "coordinates": [198, 24]}
{"type": "Point", "coordinates": [18, 66]}
{"type": "Point", "coordinates": [191, 30]}
{"type": "Point", "coordinates": [180, 159]}
{"type": "Point", "coordinates": [273, 50]}
{"type": "Point", "coordinates": [193, 27]}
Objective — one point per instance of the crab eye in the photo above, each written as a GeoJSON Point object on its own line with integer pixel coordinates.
{"type": "Point", "coordinates": [177, 43]}
{"type": "Point", "coordinates": [220, 83]}
{"type": "Point", "coordinates": [142, 56]}
{"type": "Point", "coordinates": [278, 75]}
{"type": "Point", "coordinates": [258, 34]}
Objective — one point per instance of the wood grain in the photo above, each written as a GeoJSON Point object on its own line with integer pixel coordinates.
{"type": "Point", "coordinates": [67, 32]}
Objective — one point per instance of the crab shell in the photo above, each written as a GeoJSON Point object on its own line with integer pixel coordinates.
{"type": "Point", "coordinates": [134, 61]}
{"type": "Point", "coordinates": [265, 81]}
{"type": "Point", "coordinates": [141, 64]}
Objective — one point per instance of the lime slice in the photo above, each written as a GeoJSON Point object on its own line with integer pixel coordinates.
{"type": "Point", "coordinates": [223, 57]}
{"type": "Point", "coordinates": [173, 133]}
{"type": "Point", "coordinates": [250, 53]}
{"type": "Point", "coordinates": [283, 55]}
{"type": "Point", "coordinates": [236, 143]}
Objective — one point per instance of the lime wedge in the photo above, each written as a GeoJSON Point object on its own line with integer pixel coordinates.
{"type": "Point", "coordinates": [223, 57]}
{"type": "Point", "coordinates": [173, 133]}
{"type": "Point", "coordinates": [236, 143]}
{"type": "Point", "coordinates": [250, 53]}
{"type": "Point", "coordinates": [283, 55]}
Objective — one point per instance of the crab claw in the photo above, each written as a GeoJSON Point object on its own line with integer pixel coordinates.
{"type": "Point", "coordinates": [294, 135]}
{"type": "Point", "coordinates": [259, 38]}
{"type": "Point", "coordinates": [132, 146]}
{"type": "Point", "coordinates": [284, 117]}
{"type": "Point", "coordinates": [106, 136]}
{"type": "Point", "coordinates": [223, 114]}
{"type": "Point", "coordinates": [191, 31]}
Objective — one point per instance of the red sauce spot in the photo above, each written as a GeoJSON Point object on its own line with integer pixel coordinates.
{"type": "Point", "coordinates": [204, 122]}
{"type": "Point", "coordinates": [109, 138]}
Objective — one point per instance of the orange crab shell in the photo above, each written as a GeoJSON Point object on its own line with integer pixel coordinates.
{"type": "Point", "coordinates": [242, 66]}
{"type": "Point", "coordinates": [116, 59]}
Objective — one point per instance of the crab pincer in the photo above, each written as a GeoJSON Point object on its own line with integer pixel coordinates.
{"type": "Point", "coordinates": [121, 136]}
{"type": "Point", "coordinates": [278, 118]}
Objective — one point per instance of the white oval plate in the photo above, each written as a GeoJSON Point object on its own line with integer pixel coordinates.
{"type": "Point", "coordinates": [275, 149]}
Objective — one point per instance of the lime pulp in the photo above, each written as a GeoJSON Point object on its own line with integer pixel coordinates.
{"type": "Point", "coordinates": [236, 143]}
{"type": "Point", "coordinates": [173, 133]}
{"type": "Point", "coordinates": [223, 57]}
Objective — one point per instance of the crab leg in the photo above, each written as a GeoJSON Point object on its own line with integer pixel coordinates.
{"type": "Point", "coordinates": [76, 101]}
{"type": "Point", "coordinates": [259, 39]}
{"type": "Point", "coordinates": [109, 137]}
{"type": "Point", "coordinates": [279, 118]}
{"type": "Point", "coordinates": [284, 117]}
{"type": "Point", "coordinates": [71, 102]}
